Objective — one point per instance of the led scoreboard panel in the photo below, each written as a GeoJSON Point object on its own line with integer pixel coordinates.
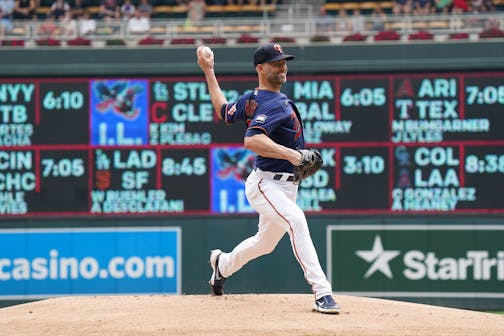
{"type": "Point", "coordinates": [391, 143]}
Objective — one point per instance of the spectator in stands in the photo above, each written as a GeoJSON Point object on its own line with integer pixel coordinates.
{"type": "Point", "coordinates": [343, 23]}
{"type": "Point", "coordinates": [145, 8]}
{"type": "Point", "coordinates": [263, 2]}
{"type": "Point", "coordinates": [6, 9]}
{"type": "Point", "coordinates": [324, 22]}
{"type": "Point", "coordinates": [357, 21]}
{"type": "Point", "coordinates": [67, 24]}
{"type": "Point", "coordinates": [489, 5]}
{"type": "Point", "coordinates": [87, 25]}
{"type": "Point", "coordinates": [443, 6]}
{"type": "Point", "coordinates": [109, 10]}
{"type": "Point", "coordinates": [492, 23]}
{"type": "Point", "coordinates": [459, 6]}
{"type": "Point", "coordinates": [196, 10]}
{"type": "Point", "coordinates": [139, 23]}
{"type": "Point", "coordinates": [235, 2]}
{"type": "Point", "coordinates": [253, 2]}
{"type": "Point", "coordinates": [127, 10]}
{"type": "Point", "coordinates": [477, 6]}
{"type": "Point", "coordinates": [402, 7]}
{"type": "Point", "coordinates": [78, 8]}
{"type": "Point", "coordinates": [378, 18]}
{"type": "Point", "coordinates": [59, 8]}
{"type": "Point", "coordinates": [24, 9]}
{"type": "Point", "coordinates": [421, 7]}
{"type": "Point", "coordinates": [481, 6]}
{"type": "Point", "coordinates": [48, 28]}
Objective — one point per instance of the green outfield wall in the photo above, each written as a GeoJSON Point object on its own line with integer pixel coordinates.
{"type": "Point", "coordinates": [344, 58]}
{"type": "Point", "coordinates": [337, 239]}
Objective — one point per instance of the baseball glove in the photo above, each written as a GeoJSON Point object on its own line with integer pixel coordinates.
{"type": "Point", "coordinates": [311, 161]}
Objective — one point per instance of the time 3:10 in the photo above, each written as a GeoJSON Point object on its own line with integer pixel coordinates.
{"type": "Point", "coordinates": [363, 165]}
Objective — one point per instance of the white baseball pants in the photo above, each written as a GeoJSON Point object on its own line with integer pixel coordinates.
{"type": "Point", "coordinates": [275, 201]}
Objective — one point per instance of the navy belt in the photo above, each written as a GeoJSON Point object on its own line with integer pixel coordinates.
{"type": "Point", "coordinates": [285, 177]}
{"type": "Point", "coordinates": [279, 177]}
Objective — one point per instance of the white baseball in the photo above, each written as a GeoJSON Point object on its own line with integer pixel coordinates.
{"type": "Point", "coordinates": [206, 51]}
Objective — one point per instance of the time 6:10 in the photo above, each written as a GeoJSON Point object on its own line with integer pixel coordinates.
{"type": "Point", "coordinates": [66, 100]}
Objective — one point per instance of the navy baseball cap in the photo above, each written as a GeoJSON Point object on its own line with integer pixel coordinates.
{"type": "Point", "coordinates": [270, 52]}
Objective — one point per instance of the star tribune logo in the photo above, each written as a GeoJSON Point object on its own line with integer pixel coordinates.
{"type": "Point", "coordinates": [379, 258]}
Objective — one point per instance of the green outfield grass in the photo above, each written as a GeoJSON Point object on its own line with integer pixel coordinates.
{"type": "Point", "coordinates": [500, 312]}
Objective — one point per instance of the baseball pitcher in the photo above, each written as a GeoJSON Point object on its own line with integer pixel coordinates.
{"type": "Point", "coordinates": [275, 133]}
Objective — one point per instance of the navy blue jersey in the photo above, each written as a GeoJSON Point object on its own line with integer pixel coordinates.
{"type": "Point", "coordinates": [273, 114]}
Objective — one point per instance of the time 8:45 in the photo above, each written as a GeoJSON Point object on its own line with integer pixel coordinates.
{"type": "Point", "coordinates": [187, 166]}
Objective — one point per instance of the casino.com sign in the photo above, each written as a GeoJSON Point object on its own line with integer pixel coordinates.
{"type": "Point", "coordinates": [417, 260]}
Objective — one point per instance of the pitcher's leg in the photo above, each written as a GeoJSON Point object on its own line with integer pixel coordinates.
{"type": "Point", "coordinates": [305, 253]}
{"type": "Point", "coordinates": [264, 242]}
{"type": "Point", "coordinates": [302, 246]}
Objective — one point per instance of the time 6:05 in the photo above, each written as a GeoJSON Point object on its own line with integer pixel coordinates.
{"type": "Point", "coordinates": [196, 166]}
{"type": "Point", "coordinates": [363, 97]}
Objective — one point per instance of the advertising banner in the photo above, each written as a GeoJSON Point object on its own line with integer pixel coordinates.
{"type": "Point", "coordinates": [453, 261]}
{"type": "Point", "coordinates": [39, 263]}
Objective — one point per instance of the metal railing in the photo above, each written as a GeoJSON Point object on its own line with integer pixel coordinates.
{"type": "Point", "coordinates": [289, 26]}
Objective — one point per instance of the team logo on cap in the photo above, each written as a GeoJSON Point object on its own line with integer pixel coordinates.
{"type": "Point", "coordinates": [278, 48]}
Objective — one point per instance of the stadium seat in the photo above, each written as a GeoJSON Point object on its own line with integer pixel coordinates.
{"type": "Point", "coordinates": [421, 35]}
{"type": "Point", "coordinates": [387, 35]}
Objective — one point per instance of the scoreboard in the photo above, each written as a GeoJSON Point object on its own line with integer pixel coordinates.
{"type": "Point", "coordinates": [391, 143]}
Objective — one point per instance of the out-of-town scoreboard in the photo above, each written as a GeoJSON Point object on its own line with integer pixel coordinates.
{"type": "Point", "coordinates": [392, 143]}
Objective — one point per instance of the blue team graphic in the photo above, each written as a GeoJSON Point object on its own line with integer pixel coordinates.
{"type": "Point", "coordinates": [54, 262]}
{"type": "Point", "coordinates": [119, 112]}
{"type": "Point", "coordinates": [231, 166]}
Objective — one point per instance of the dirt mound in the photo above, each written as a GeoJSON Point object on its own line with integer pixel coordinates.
{"type": "Point", "coordinates": [279, 314]}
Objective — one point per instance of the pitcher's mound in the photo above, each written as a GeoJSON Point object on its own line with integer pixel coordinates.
{"type": "Point", "coordinates": [239, 315]}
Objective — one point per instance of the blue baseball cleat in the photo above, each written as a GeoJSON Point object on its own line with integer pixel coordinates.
{"type": "Point", "coordinates": [326, 304]}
